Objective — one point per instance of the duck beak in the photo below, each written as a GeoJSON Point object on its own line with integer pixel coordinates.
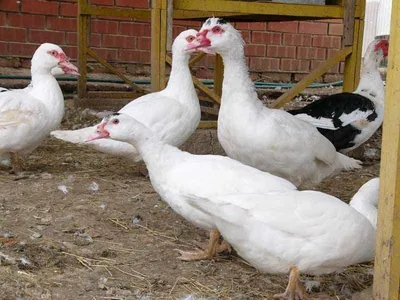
{"type": "Point", "coordinates": [101, 133]}
{"type": "Point", "coordinates": [68, 68]}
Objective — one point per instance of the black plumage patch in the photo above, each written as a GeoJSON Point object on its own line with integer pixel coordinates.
{"type": "Point", "coordinates": [221, 21]}
{"type": "Point", "coordinates": [115, 114]}
{"type": "Point", "coordinates": [208, 21]}
{"type": "Point", "coordinates": [333, 107]}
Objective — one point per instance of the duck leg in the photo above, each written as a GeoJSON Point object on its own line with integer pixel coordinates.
{"type": "Point", "coordinates": [209, 253]}
{"type": "Point", "coordinates": [295, 289]}
{"type": "Point", "coordinates": [16, 163]}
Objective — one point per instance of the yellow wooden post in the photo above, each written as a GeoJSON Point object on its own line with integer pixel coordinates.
{"type": "Point", "coordinates": [387, 260]}
{"type": "Point", "coordinates": [218, 75]}
{"type": "Point", "coordinates": [83, 21]}
{"type": "Point", "coordinates": [353, 61]}
{"type": "Point", "coordinates": [158, 43]}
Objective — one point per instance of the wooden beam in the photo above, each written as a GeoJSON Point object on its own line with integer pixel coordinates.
{"type": "Point", "coordinates": [348, 22]}
{"type": "Point", "coordinates": [218, 75]}
{"type": "Point", "coordinates": [199, 57]}
{"type": "Point", "coordinates": [155, 47]}
{"type": "Point", "coordinates": [82, 50]}
{"type": "Point", "coordinates": [353, 61]}
{"type": "Point", "coordinates": [387, 260]}
{"type": "Point", "coordinates": [257, 8]}
{"type": "Point", "coordinates": [307, 80]}
{"type": "Point", "coordinates": [207, 124]}
{"type": "Point", "coordinates": [116, 12]}
{"type": "Point", "coordinates": [115, 71]}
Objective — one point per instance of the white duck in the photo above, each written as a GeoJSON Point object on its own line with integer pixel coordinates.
{"type": "Point", "coordinates": [268, 139]}
{"type": "Point", "coordinates": [300, 231]}
{"type": "Point", "coordinates": [350, 119]}
{"type": "Point", "coordinates": [177, 175]}
{"type": "Point", "coordinates": [5, 159]}
{"type": "Point", "coordinates": [173, 113]}
{"type": "Point", "coordinates": [27, 116]}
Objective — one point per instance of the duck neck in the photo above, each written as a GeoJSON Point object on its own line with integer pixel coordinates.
{"type": "Point", "coordinates": [370, 81]}
{"type": "Point", "coordinates": [237, 86]}
{"type": "Point", "coordinates": [364, 204]}
{"type": "Point", "coordinates": [156, 154]}
{"type": "Point", "coordinates": [45, 88]}
{"type": "Point", "coordinates": [180, 84]}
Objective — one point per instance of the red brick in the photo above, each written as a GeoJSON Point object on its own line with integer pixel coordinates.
{"type": "Point", "coordinates": [134, 56]}
{"type": "Point", "coordinates": [143, 43]}
{"type": "Point", "coordinates": [264, 64]}
{"type": "Point", "coordinates": [9, 5]}
{"type": "Point", "coordinates": [266, 38]}
{"type": "Point", "coordinates": [71, 51]}
{"type": "Point", "coordinates": [103, 26]}
{"type": "Point", "coordinates": [46, 36]}
{"type": "Point", "coordinates": [71, 38]}
{"type": "Point", "coordinates": [68, 9]}
{"type": "Point", "coordinates": [95, 40]}
{"type": "Point", "coordinates": [255, 50]}
{"type": "Point", "coordinates": [246, 35]}
{"type": "Point", "coordinates": [118, 41]}
{"type": "Point", "coordinates": [291, 39]}
{"type": "Point", "coordinates": [24, 49]}
{"type": "Point", "coordinates": [176, 30]}
{"type": "Point", "coordinates": [13, 34]}
{"type": "Point", "coordinates": [281, 51]}
{"type": "Point", "coordinates": [316, 63]}
{"type": "Point", "coordinates": [3, 48]}
{"type": "Point", "coordinates": [61, 23]}
{"type": "Point", "coordinates": [40, 7]}
{"type": "Point", "coordinates": [313, 27]}
{"type": "Point", "coordinates": [2, 19]}
{"type": "Point", "coordinates": [335, 29]}
{"type": "Point", "coordinates": [327, 41]}
{"type": "Point", "coordinates": [331, 52]}
{"type": "Point", "coordinates": [295, 65]}
{"type": "Point", "coordinates": [134, 29]}
{"type": "Point", "coordinates": [311, 53]}
{"type": "Point", "coordinates": [136, 3]}
{"type": "Point", "coordinates": [107, 54]}
{"type": "Point", "coordinates": [283, 26]}
{"type": "Point", "coordinates": [102, 2]}
{"type": "Point", "coordinates": [260, 26]}
{"type": "Point", "coordinates": [26, 20]}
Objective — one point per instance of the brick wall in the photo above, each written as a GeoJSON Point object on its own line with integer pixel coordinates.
{"type": "Point", "coordinates": [276, 51]}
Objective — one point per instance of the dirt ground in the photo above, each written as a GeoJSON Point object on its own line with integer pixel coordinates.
{"type": "Point", "coordinates": [109, 236]}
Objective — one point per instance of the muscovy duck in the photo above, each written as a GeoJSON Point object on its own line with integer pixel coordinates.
{"type": "Point", "coordinates": [28, 115]}
{"type": "Point", "coordinates": [173, 114]}
{"type": "Point", "coordinates": [177, 175]}
{"type": "Point", "coordinates": [271, 140]}
{"type": "Point", "coordinates": [297, 231]}
{"type": "Point", "coordinates": [350, 119]}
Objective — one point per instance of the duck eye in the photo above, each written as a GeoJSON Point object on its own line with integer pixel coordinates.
{"type": "Point", "coordinates": [216, 29]}
{"type": "Point", "coordinates": [190, 38]}
{"type": "Point", "coordinates": [115, 121]}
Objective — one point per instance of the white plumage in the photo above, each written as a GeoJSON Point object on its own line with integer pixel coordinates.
{"type": "Point", "coordinates": [173, 114]}
{"type": "Point", "coordinates": [312, 231]}
{"type": "Point", "coordinates": [178, 175]}
{"type": "Point", "coordinates": [27, 116]}
{"type": "Point", "coordinates": [268, 139]}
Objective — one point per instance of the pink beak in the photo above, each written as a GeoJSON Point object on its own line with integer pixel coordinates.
{"type": "Point", "coordinates": [101, 133]}
{"type": "Point", "coordinates": [201, 42]}
{"type": "Point", "coordinates": [68, 67]}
